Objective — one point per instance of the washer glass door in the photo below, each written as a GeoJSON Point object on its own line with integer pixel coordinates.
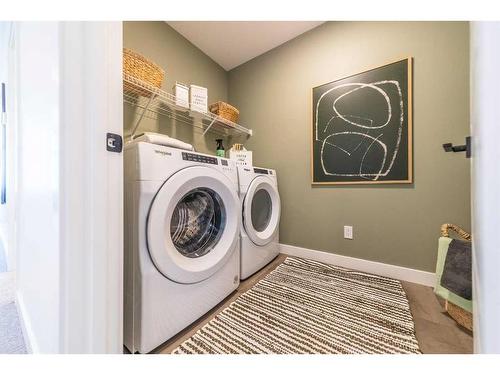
{"type": "Point", "coordinates": [198, 222]}
{"type": "Point", "coordinates": [193, 224]}
{"type": "Point", "coordinates": [261, 210]}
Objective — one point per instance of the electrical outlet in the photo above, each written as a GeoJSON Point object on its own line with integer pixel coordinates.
{"type": "Point", "coordinates": [348, 232]}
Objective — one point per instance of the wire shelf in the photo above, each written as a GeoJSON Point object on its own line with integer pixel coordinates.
{"type": "Point", "coordinates": [153, 101]}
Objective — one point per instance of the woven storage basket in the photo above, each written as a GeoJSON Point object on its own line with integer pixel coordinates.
{"type": "Point", "coordinates": [224, 110]}
{"type": "Point", "coordinates": [137, 66]}
{"type": "Point", "coordinates": [461, 316]}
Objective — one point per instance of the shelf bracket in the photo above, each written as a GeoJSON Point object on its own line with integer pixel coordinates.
{"type": "Point", "coordinates": [134, 129]}
{"type": "Point", "coordinates": [209, 126]}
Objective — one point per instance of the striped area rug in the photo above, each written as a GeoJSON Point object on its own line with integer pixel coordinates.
{"type": "Point", "coordinates": [305, 306]}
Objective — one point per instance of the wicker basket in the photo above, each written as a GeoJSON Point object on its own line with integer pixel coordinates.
{"type": "Point", "coordinates": [224, 110]}
{"type": "Point", "coordinates": [461, 316]}
{"type": "Point", "coordinates": [139, 67]}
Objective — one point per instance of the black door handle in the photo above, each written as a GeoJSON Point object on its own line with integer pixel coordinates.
{"type": "Point", "coordinates": [467, 147]}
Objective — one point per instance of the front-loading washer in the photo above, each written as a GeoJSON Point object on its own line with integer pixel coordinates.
{"type": "Point", "coordinates": [182, 225]}
{"type": "Point", "coordinates": [260, 211]}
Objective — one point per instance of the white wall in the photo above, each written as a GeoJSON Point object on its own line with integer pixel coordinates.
{"type": "Point", "coordinates": [485, 99]}
{"type": "Point", "coordinates": [69, 197]}
{"type": "Point", "coordinates": [7, 210]}
{"type": "Point", "coordinates": [4, 43]}
{"type": "Point", "coordinates": [38, 273]}
{"type": "Point", "coordinates": [92, 188]}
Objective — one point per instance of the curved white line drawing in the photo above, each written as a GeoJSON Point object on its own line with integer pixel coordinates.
{"type": "Point", "coordinates": [353, 116]}
{"type": "Point", "coordinates": [360, 143]}
{"type": "Point", "coordinates": [358, 86]}
{"type": "Point", "coordinates": [382, 144]}
{"type": "Point", "coordinates": [361, 86]}
{"type": "Point", "coordinates": [345, 117]}
{"type": "Point", "coordinates": [366, 152]}
{"type": "Point", "coordinates": [336, 146]}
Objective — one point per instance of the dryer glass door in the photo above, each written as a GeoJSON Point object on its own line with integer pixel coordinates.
{"type": "Point", "coordinates": [261, 211]}
{"type": "Point", "coordinates": [193, 224]}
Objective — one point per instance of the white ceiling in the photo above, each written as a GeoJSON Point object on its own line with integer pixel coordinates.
{"type": "Point", "coordinates": [232, 43]}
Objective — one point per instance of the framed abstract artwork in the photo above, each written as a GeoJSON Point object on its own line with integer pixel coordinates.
{"type": "Point", "coordinates": [362, 128]}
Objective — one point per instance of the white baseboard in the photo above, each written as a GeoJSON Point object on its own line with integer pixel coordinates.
{"type": "Point", "coordinates": [381, 269]}
{"type": "Point", "coordinates": [29, 338]}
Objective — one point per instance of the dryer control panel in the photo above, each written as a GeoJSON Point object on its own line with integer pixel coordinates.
{"type": "Point", "coordinates": [262, 171]}
{"type": "Point", "coordinates": [199, 158]}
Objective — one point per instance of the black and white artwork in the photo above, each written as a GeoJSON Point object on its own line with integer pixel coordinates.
{"type": "Point", "coordinates": [362, 130]}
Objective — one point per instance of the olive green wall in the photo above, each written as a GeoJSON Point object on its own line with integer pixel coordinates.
{"type": "Point", "coordinates": [397, 224]}
{"type": "Point", "coordinates": [182, 62]}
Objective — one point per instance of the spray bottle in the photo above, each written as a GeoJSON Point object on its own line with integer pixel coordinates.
{"type": "Point", "coordinates": [220, 149]}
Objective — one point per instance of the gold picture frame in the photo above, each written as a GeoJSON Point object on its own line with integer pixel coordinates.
{"type": "Point", "coordinates": [405, 92]}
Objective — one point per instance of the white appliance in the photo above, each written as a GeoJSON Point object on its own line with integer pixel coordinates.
{"type": "Point", "coordinates": [261, 208]}
{"type": "Point", "coordinates": [182, 217]}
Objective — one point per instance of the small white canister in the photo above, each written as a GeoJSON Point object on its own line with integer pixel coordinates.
{"type": "Point", "coordinates": [240, 155]}
{"type": "Point", "coordinates": [199, 98]}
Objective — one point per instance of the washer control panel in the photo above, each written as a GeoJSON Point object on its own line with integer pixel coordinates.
{"type": "Point", "coordinates": [199, 158]}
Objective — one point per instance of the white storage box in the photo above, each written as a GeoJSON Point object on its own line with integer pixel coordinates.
{"type": "Point", "coordinates": [181, 93]}
{"type": "Point", "coordinates": [199, 98]}
{"type": "Point", "coordinates": [241, 157]}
